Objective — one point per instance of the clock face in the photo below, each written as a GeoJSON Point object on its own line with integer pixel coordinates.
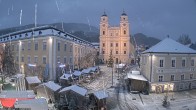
{"type": "Point", "coordinates": [103, 25]}
{"type": "Point", "coordinates": [124, 24]}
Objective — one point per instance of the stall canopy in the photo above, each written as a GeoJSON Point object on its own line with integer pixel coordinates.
{"type": "Point", "coordinates": [136, 77]}
{"type": "Point", "coordinates": [77, 73]}
{"type": "Point", "coordinates": [65, 76]}
{"type": "Point", "coordinates": [51, 85]}
{"type": "Point", "coordinates": [33, 104]}
{"type": "Point", "coordinates": [8, 98]}
{"type": "Point", "coordinates": [120, 65]}
{"type": "Point", "coordinates": [86, 71]}
{"type": "Point", "coordinates": [33, 80]}
{"type": "Point", "coordinates": [101, 94]}
{"type": "Point", "coordinates": [75, 88]}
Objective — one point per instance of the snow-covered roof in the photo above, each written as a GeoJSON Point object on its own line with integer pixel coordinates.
{"type": "Point", "coordinates": [93, 68]}
{"type": "Point", "coordinates": [75, 88]}
{"type": "Point", "coordinates": [136, 77]}
{"type": "Point", "coordinates": [19, 75]}
{"type": "Point", "coordinates": [169, 45]}
{"type": "Point", "coordinates": [51, 85]}
{"type": "Point", "coordinates": [33, 80]}
{"type": "Point", "coordinates": [101, 94]}
{"type": "Point", "coordinates": [34, 104]}
{"type": "Point", "coordinates": [120, 65]}
{"type": "Point", "coordinates": [17, 94]}
{"type": "Point", "coordinates": [65, 76]}
{"type": "Point", "coordinates": [135, 72]}
{"type": "Point", "coordinates": [86, 70]}
{"type": "Point", "coordinates": [77, 73]}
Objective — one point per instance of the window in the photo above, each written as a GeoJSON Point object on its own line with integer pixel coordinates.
{"type": "Point", "coordinates": [70, 60]}
{"type": "Point", "coordinates": [124, 32]}
{"type": "Point", "coordinates": [173, 63]}
{"type": "Point", "coordinates": [161, 63]}
{"type": "Point", "coordinates": [192, 62]}
{"type": "Point", "coordinates": [172, 77]}
{"type": "Point", "coordinates": [58, 59]}
{"type": "Point", "coordinates": [35, 59]}
{"type": "Point", "coordinates": [44, 60]}
{"type": "Point", "coordinates": [65, 47]}
{"type": "Point", "coordinates": [111, 34]}
{"type": "Point", "coordinates": [124, 44]}
{"type": "Point", "coordinates": [103, 32]}
{"type": "Point", "coordinates": [70, 48]}
{"type": "Point", "coordinates": [116, 52]}
{"type": "Point", "coordinates": [23, 47]}
{"type": "Point", "coordinates": [36, 45]}
{"type": "Point", "coordinates": [103, 52]}
{"type": "Point", "coordinates": [182, 77]}
{"type": "Point", "coordinates": [103, 44]}
{"type": "Point", "coordinates": [22, 59]}
{"type": "Point", "coordinates": [111, 44]}
{"type": "Point", "coordinates": [12, 47]}
{"type": "Point", "coordinates": [44, 45]}
{"type": "Point", "coordinates": [17, 47]}
{"type": "Point", "coordinates": [183, 63]}
{"type": "Point", "coordinates": [17, 59]}
{"type": "Point", "coordinates": [29, 59]}
{"type": "Point", "coordinates": [29, 45]}
{"type": "Point", "coordinates": [124, 52]}
{"type": "Point", "coordinates": [65, 60]}
{"type": "Point", "coordinates": [191, 76]}
{"type": "Point", "coordinates": [116, 44]}
{"type": "Point", "coordinates": [160, 78]}
{"type": "Point", "coordinates": [58, 46]}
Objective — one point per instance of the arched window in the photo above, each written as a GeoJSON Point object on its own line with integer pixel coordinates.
{"type": "Point", "coordinates": [124, 32]}
{"type": "Point", "coordinates": [103, 32]}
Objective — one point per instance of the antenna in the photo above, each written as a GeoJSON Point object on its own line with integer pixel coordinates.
{"type": "Point", "coordinates": [36, 15]}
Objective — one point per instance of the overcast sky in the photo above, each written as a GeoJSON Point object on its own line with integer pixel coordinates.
{"type": "Point", "coordinates": [156, 18]}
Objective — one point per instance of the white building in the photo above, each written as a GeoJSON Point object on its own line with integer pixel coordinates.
{"type": "Point", "coordinates": [169, 66]}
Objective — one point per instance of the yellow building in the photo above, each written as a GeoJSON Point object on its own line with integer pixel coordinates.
{"type": "Point", "coordinates": [115, 40]}
{"type": "Point", "coordinates": [39, 51]}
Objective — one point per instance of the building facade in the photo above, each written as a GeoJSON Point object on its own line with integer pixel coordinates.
{"type": "Point", "coordinates": [169, 66]}
{"type": "Point", "coordinates": [42, 49]}
{"type": "Point", "coordinates": [115, 40]}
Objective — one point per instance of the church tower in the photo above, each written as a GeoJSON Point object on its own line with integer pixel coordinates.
{"type": "Point", "coordinates": [124, 25]}
{"type": "Point", "coordinates": [115, 40]}
{"type": "Point", "coordinates": [104, 25]}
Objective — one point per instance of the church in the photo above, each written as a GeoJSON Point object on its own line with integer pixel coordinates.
{"type": "Point", "coordinates": [116, 40]}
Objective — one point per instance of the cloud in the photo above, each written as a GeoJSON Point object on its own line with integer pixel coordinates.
{"type": "Point", "coordinates": [152, 17]}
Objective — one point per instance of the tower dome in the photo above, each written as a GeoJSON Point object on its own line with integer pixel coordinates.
{"type": "Point", "coordinates": [104, 14]}
{"type": "Point", "coordinates": [124, 14]}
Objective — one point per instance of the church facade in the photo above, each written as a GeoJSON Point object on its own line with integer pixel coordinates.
{"type": "Point", "coordinates": [115, 40]}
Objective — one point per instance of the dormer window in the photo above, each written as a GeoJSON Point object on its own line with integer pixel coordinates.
{"type": "Point", "coordinates": [26, 35]}
{"type": "Point", "coordinates": [15, 36]}
{"type": "Point", "coordinates": [40, 32]}
{"type": "Point", "coordinates": [20, 35]}
{"type": "Point", "coordinates": [11, 37]}
{"type": "Point", "coordinates": [59, 33]}
{"type": "Point", "coordinates": [32, 33]}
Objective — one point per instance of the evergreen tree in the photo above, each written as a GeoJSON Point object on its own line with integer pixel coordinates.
{"type": "Point", "coordinates": [8, 64]}
{"type": "Point", "coordinates": [110, 60]}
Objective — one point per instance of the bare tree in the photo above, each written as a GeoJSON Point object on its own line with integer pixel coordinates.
{"type": "Point", "coordinates": [184, 39]}
{"type": "Point", "coordinates": [7, 61]}
{"type": "Point", "coordinates": [88, 60]}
